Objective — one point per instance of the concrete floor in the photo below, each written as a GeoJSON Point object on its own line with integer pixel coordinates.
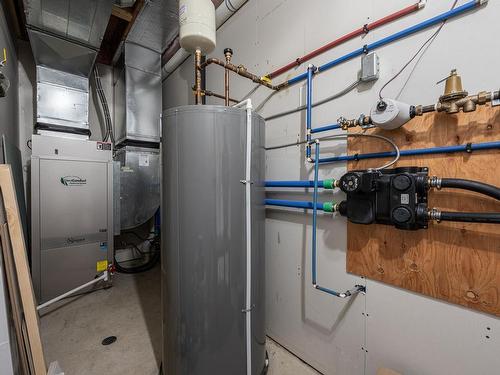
{"type": "Point", "coordinates": [73, 330]}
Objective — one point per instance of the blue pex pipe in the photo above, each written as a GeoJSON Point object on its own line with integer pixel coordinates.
{"type": "Point", "coordinates": [310, 71]}
{"type": "Point", "coordinates": [422, 151]}
{"type": "Point", "coordinates": [292, 204]}
{"type": "Point", "coordinates": [292, 184]}
{"type": "Point", "coordinates": [314, 255]}
{"type": "Point", "coordinates": [391, 38]}
{"type": "Point", "coordinates": [315, 213]}
{"type": "Point", "coordinates": [326, 128]}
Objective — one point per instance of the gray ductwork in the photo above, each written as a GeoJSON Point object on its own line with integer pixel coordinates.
{"type": "Point", "coordinates": [65, 36]}
{"type": "Point", "coordinates": [138, 95]}
{"type": "Point", "coordinates": [137, 109]}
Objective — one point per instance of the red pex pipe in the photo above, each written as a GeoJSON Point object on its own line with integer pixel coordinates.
{"type": "Point", "coordinates": [362, 30]}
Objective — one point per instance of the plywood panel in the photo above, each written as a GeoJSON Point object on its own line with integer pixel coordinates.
{"type": "Point", "coordinates": [456, 262]}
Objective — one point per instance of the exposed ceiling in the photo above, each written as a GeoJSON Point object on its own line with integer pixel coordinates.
{"type": "Point", "coordinates": [151, 23]}
{"type": "Point", "coordinates": [80, 21]}
{"type": "Point", "coordinates": [119, 26]}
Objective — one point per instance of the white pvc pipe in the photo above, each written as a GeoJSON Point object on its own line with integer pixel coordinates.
{"type": "Point", "coordinates": [104, 277]}
{"type": "Point", "coordinates": [222, 14]}
{"type": "Point", "coordinates": [248, 231]}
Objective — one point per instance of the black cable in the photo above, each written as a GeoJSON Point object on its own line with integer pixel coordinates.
{"type": "Point", "coordinates": [140, 237]}
{"type": "Point", "coordinates": [476, 186]}
{"type": "Point", "coordinates": [151, 263]}
{"type": "Point", "coordinates": [142, 268]}
{"type": "Point", "coordinates": [431, 38]}
{"type": "Point", "coordinates": [107, 115]}
{"type": "Point", "coordinates": [471, 217]}
{"type": "Point", "coordinates": [337, 95]}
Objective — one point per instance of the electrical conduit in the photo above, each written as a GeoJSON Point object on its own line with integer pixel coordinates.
{"type": "Point", "coordinates": [247, 104]}
{"type": "Point", "coordinates": [310, 72]}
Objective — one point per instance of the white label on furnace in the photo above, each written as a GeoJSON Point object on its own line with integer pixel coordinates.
{"type": "Point", "coordinates": [144, 160]}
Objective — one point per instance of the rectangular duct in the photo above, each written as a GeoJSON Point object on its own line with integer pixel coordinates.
{"type": "Point", "coordinates": [77, 20]}
{"type": "Point", "coordinates": [62, 99]}
{"type": "Point", "coordinates": [138, 95]}
{"type": "Point", "coordinates": [65, 36]}
{"type": "Point", "coordinates": [156, 25]}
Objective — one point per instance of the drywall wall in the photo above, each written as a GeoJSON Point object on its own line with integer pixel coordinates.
{"type": "Point", "coordinates": [387, 326]}
{"type": "Point", "coordinates": [9, 104]}
{"type": "Point", "coordinates": [9, 127]}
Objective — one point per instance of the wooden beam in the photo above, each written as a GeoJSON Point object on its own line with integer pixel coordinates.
{"type": "Point", "coordinates": [137, 9]}
{"type": "Point", "coordinates": [20, 257]}
{"type": "Point", "coordinates": [122, 13]}
{"type": "Point", "coordinates": [117, 31]}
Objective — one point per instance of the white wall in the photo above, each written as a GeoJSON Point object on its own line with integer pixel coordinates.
{"type": "Point", "coordinates": [9, 127]}
{"type": "Point", "coordinates": [9, 104]}
{"type": "Point", "coordinates": [389, 326]}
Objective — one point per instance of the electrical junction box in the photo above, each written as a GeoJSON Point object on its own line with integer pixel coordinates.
{"type": "Point", "coordinates": [72, 213]}
{"type": "Point", "coordinates": [370, 67]}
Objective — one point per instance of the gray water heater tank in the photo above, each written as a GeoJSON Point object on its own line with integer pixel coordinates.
{"type": "Point", "coordinates": [204, 251]}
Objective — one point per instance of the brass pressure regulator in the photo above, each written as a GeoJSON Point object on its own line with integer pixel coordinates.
{"type": "Point", "coordinates": [455, 98]}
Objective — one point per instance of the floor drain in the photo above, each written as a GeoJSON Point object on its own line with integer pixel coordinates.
{"type": "Point", "coordinates": [109, 340]}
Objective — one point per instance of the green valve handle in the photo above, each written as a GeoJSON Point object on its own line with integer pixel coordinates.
{"type": "Point", "coordinates": [329, 184]}
{"type": "Point", "coordinates": [329, 206]}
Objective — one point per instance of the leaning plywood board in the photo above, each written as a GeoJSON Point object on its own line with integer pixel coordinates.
{"type": "Point", "coordinates": [22, 268]}
{"type": "Point", "coordinates": [455, 262]}
{"type": "Point", "coordinates": [13, 291]}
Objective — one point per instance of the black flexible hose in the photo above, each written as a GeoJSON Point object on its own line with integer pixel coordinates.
{"type": "Point", "coordinates": [478, 187]}
{"type": "Point", "coordinates": [155, 257]}
{"type": "Point", "coordinates": [472, 217]}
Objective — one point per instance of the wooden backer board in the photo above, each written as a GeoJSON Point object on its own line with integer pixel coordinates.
{"type": "Point", "coordinates": [455, 262]}
{"type": "Point", "coordinates": [22, 269]}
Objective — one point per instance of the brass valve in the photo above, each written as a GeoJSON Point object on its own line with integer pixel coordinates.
{"type": "Point", "coordinates": [453, 88]}
{"type": "Point", "coordinates": [455, 97]}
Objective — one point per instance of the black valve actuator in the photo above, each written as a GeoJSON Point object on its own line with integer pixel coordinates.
{"type": "Point", "coordinates": [395, 197]}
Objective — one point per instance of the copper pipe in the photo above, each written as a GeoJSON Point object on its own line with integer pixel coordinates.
{"type": "Point", "coordinates": [228, 53]}
{"type": "Point", "coordinates": [215, 95]}
{"type": "Point", "coordinates": [197, 68]}
{"type": "Point", "coordinates": [241, 71]}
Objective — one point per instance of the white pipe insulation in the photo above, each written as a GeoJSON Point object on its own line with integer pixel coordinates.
{"type": "Point", "coordinates": [222, 14]}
